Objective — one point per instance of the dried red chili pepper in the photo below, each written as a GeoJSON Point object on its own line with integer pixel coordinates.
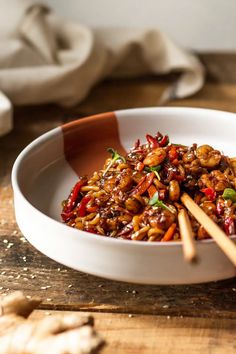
{"type": "Point", "coordinates": [83, 204]}
{"type": "Point", "coordinates": [152, 141]}
{"type": "Point", "coordinates": [158, 136]}
{"type": "Point", "coordinates": [92, 209]}
{"type": "Point", "coordinates": [229, 225]}
{"type": "Point", "coordinates": [210, 193]}
{"type": "Point", "coordinates": [72, 199]}
{"type": "Point", "coordinates": [67, 216]}
{"type": "Point", "coordinates": [143, 185]}
{"type": "Point", "coordinates": [91, 231]}
{"type": "Point", "coordinates": [164, 141]}
{"type": "Point", "coordinates": [136, 144]}
{"type": "Point", "coordinates": [151, 190]}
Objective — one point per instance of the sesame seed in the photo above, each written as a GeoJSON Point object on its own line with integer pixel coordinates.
{"type": "Point", "coordinates": [43, 288]}
{"type": "Point", "coordinates": [1, 287]}
{"type": "Point", "coordinates": [10, 244]}
{"type": "Point", "coordinates": [168, 317]}
{"type": "Point", "coordinates": [25, 269]}
{"type": "Point", "coordinates": [33, 276]}
{"type": "Point", "coordinates": [58, 269]}
{"type": "Point", "coordinates": [47, 313]}
{"type": "Point", "coordinates": [10, 277]}
{"type": "Point", "coordinates": [5, 241]}
{"type": "Point", "coordinates": [3, 273]}
{"type": "Point", "coordinates": [70, 286]}
{"type": "Point", "coordinates": [48, 299]}
{"type": "Point", "coordinates": [25, 279]}
{"type": "Point", "coordinates": [130, 316]}
{"type": "Point", "coordinates": [134, 292]}
{"type": "Point", "coordinates": [234, 289]}
{"type": "Point", "coordinates": [165, 306]}
{"type": "Point", "coordinates": [18, 276]}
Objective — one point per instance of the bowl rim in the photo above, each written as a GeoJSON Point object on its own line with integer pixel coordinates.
{"type": "Point", "coordinates": [84, 234]}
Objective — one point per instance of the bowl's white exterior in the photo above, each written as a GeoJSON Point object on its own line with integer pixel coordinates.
{"type": "Point", "coordinates": [131, 261]}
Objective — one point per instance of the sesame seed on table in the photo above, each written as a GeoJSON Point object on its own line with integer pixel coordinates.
{"type": "Point", "coordinates": [132, 318]}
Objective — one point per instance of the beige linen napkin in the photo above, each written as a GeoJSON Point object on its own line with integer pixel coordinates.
{"type": "Point", "coordinates": [44, 58]}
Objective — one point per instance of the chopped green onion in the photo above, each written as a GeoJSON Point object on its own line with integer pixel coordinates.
{"type": "Point", "coordinates": [154, 169]}
{"type": "Point", "coordinates": [115, 156]}
{"type": "Point", "coordinates": [155, 201]}
{"type": "Point", "coordinates": [229, 193]}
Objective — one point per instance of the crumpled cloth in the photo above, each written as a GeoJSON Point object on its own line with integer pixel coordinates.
{"type": "Point", "coordinates": [45, 58]}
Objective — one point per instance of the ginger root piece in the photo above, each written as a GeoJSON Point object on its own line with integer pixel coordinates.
{"type": "Point", "coordinates": [69, 334]}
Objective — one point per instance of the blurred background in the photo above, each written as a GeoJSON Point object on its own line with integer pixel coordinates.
{"type": "Point", "coordinates": [77, 52]}
{"type": "Point", "coordinates": [202, 25]}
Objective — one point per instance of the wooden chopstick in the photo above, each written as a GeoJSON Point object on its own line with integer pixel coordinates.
{"type": "Point", "coordinates": [186, 233]}
{"type": "Point", "coordinates": [223, 241]}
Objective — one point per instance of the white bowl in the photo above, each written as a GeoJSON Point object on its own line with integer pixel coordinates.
{"type": "Point", "coordinates": [46, 170]}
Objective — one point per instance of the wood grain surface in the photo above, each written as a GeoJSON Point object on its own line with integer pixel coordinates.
{"type": "Point", "coordinates": [128, 334]}
{"type": "Point", "coordinates": [209, 310]}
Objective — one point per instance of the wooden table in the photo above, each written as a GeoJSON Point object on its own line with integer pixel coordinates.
{"type": "Point", "coordinates": [132, 318]}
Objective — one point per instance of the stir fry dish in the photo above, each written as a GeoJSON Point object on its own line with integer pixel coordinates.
{"type": "Point", "coordinates": [137, 196]}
